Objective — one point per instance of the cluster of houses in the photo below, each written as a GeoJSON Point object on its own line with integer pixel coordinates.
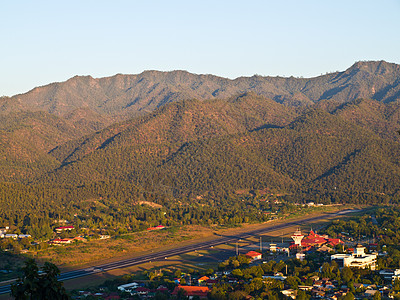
{"type": "Point", "coordinates": [324, 288]}
{"type": "Point", "coordinates": [60, 241]}
{"type": "Point", "coordinates": [4, 234]}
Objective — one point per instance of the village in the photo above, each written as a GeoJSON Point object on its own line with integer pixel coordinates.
{"type": "Point", "coordinates": [341, 262]}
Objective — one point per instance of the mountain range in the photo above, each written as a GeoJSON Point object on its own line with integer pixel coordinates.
{"type": "Point", "coordinates": [330, 138]}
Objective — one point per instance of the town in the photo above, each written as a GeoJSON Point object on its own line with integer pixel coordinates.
{"type": "Point", "coordinates": [347, 265]}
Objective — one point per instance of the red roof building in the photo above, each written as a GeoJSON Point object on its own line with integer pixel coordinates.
{"type": "Point", "coordinates": [62, 228]}
{"type": "Point", "coordinates": [156, 228]}
{"type": "Point", "coordinates": [191, 291]}
{"type": "Point", "coordinates": [61, 241]}
{"type": "Point", "coordinates": [316, 240]}
{"type": "Point", "coordinates": [254, 255]}
{"type": "Point", "coordinates": [203, 279]}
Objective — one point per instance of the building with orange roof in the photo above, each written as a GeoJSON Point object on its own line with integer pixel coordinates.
{"type": "Point", "coordinates": [254, 255]}
{"type": "Point", "coordinates": [316, 240]}
{"type": "Point", "coordinates": [203, 279]}
{"type": "Point", "coordinates": [192, 291]}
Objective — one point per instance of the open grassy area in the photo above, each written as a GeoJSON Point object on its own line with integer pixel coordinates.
{"type": "Point", "coordinates": [203, 259]}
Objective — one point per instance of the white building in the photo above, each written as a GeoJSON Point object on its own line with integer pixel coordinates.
{"type": "Point", "coordinates": [390, 274]}
{"type": "Point", "coordinates": [297, 237]}
{"type": "Point", "coordinates": [129, 287]}
{"type": "Point", "coordinates": [24, 236]}
{"type": "Point", "coordinates": [11, 235]}
{"type": "Point", "coordinates": [359, 259]}
{"type": "Point", "coordinates": [300, 256]}
{"type": "Point", "coordinates": [273, 247]}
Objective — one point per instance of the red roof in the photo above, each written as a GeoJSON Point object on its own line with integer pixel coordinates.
{"type": "Point", "coordinates": [203, 278]}
{"type": "Point", "coordinates": [313, 241]}
{"type": "Point", "coordinates": [157, 227]}
{"type": "Point", "coordinates": [335, 242]}
{"type": "Point", "coordinates": [200, 291]}
{"type": "Point", "coordinates": [61, 240]}
{"type": "Point", "coordinates": [65, 227]}
{"type": "Point", "coordinates": [253, 254]}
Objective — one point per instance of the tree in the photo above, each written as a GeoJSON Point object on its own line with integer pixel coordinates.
{"type": "Point", "coordinates": [35, 285]}
{"type": "Point", "coordinates": [347, 274]}
{"type": "Point", "coordinates": [377, 296]}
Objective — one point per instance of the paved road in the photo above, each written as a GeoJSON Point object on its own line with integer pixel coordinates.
{"type": "Point", "coordinates": [162, 255]}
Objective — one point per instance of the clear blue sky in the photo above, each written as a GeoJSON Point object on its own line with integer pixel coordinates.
{"type": "Point", "coordinates": [48, 41]}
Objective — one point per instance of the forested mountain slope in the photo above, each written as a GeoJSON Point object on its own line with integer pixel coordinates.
{"type": "Point", "coordinates": [196, 148]}
{"type": "Point", "coordinates": [332, 138]}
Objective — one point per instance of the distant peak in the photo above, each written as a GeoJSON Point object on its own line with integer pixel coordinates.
{"type": "Point", "coordinates": [380, 66]}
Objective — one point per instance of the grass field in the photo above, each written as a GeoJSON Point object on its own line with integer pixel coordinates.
{"type": "Point", "coordinates": [204, 259]}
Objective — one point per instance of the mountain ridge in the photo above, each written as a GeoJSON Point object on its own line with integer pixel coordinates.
{"type": "Point", "coordinates": [127, 96]}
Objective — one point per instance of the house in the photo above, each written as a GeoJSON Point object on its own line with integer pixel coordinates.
{"type": "Point", "coordinates": [272, 247]}
{"type": "Point", "coordinates": [24, 236]}
{"type": "Point", "coordinates": [276, 276]}
{"type": "Point", "coordinates": [128, 287]}
{"type": "Point", "coordinates": [300, 256]}
{"type": "Point", "coordinates": [391, 275]}
{"type": "Point", "coordinates": [156, 228]}
{"type": "Point", "coordinates": [254, 255]}
{"type": "Point", "coordinates": [211, 282]}
{"type": "Point", "coordinates": [358, 259]}
{"type": "Point", "coordinates": [11, 235]}
{"type": "Point", "coordinates": [162, 289]}
{"type": "Point", "coordinates": [142, 291]}
{"type": "Point", "coordinates": [192, 291]}
{"type": "Point", "coordinates": [63, 228]}
{"type": "Point", "coordinates": [61, 241]}
{"type": "Point", "coordinates": [203, 279]}
{"type": "Point", "coordinates": [370, 293]}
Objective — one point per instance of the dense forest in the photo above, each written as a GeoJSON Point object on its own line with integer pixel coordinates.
{"type": "Point", "coordinates": [198, 160]}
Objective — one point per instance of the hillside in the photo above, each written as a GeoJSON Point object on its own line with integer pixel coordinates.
{"type": "Point", "coordinates": [197, 148]}
{"type": "Point", "coordinates": [173, 138]}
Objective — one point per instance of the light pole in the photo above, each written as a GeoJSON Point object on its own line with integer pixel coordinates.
{"type": "Point", "coordinates": [237, 248]}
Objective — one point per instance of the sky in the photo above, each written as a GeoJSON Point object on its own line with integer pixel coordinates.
{"type": "Point", "coordinates": [51, 41]}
